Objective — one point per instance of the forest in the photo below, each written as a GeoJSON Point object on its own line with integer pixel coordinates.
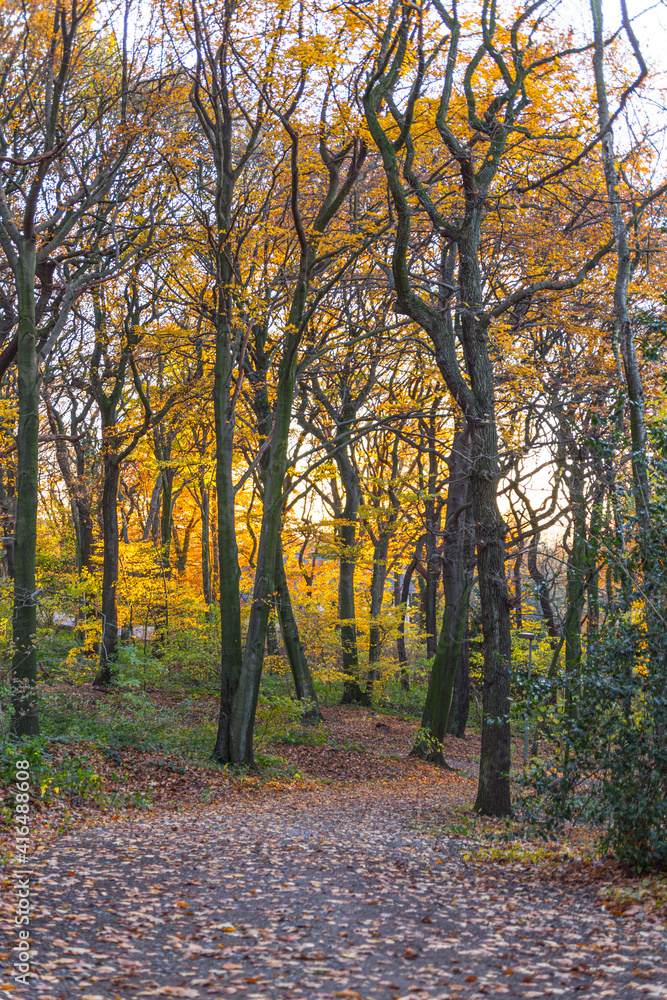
{"type": "Point", "coordinates": [333, 348]}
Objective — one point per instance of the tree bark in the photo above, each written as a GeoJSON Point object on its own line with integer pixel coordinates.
{"type": "Point", "coordinates": [432, 524]}
{"type": "Point", "coordinates": [346, 531]}
{"type": "Point", "coordinates": [25, 721]}
{"type": "Point", "coordinates": [378, 579]}
{"type": "Point", "coordinates": [205, 543]}
{"type": "Point", "coordinates": [493, 793]}
{"type": "Point", "coordinates": [541, 586]}
{"type": "Point", "coordinates": [7, 521]}
{"type": "Point", "coordinates": [166, 518]}
{"type": "Point", "coordinates": [626, 336]}
{"type": "Point", "coordinates": [280, 600]}
{"type": "Point", "coordinates": [400, 639]}
{"type": "Point", "coordinates": [577, 575]}
{"type": "Point", "coordinates": [303, 679]}
{"type": "Point", "coordinates": [460, 706]}
{"type": "Point", "coordinates": [385, 528]}
{"type": "Point", "coordinates": [459, 551]}
{"type": "Point", "coordinates": [229, 572]}
{"type": "Point", "coordinates": [153, 508]}
{"type": "Point", "coordinates": [245, 701]}
{"type": "Point", "coordinates": [455, 618]}
{"type": "Point", "coordinates": [182, 548]}
{"type": "Point", "coordinates": [109, 642]}
{"type": "Point", "coordinates": [213, 98]}
{"type": "Point", "coordinates": [81, 516]}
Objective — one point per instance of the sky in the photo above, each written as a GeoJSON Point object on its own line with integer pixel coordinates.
{"type": "Point", "coordinates": [649, 19]}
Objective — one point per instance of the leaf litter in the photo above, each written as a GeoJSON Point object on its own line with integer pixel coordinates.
{"type": "Point", "coordinates": [320, 889]}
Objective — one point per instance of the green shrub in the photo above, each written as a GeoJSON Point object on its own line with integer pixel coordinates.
{"type": "Point", "coordinates": [275, 718]}
{"type": "Point", "coordinates": [607, 760]}
{"type": "Point", "coordinates": [135, 668]}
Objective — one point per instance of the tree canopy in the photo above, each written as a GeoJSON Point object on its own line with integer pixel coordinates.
{"type": "Point", "coordinates": [332, 349]}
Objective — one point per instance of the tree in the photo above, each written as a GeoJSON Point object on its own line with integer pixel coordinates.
{"type": "Point", "coordinates": [451, 191]}
{"type": "Point", "coordinates": [61, 191]}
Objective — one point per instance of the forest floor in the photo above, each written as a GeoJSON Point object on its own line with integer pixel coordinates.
{"type": "Point", "coordinates": [353, 872]}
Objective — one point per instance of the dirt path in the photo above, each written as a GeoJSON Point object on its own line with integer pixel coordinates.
{"type": "Point", "coordinates": [327, 893]}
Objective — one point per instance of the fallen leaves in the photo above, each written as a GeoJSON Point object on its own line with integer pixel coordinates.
{"type": "Point", "coordinates": [309, 893]}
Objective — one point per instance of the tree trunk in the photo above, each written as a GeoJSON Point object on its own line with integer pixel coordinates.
{"type": "Point", "coordinates": [7, 519]}
{"type": "Point", "coordinates": [25, 721]}
{"type": "Point", "coordinates": [77, 536]}
{"type": "Point", "coordinates": [593, 576]}
{"type": "Point", "coordinates": [153, 509]}
{"type": "Point", "coordinates": [166, 518]}
{"type": "Point", "coordinates": [85, 533]}
{"type": "Point", "coordinates": [275, 467]}
{"type": "Point", "coordinates": [400, 639]}
{"type": "Point", "coordinates": [455, 618]}
{"type": "Point", "coordinates": [346, 531]}
{"type": "Point", "coordinates": [429, 602]}
{"type": "Point", "coordinates": [81, 516]}
{"type": "Point", "coordinates": [541, 586]}
{"type": "Point", "coordinates": [205, 543]}
{"type": "Point", "coordinates": [215, 575]}
{"type": "Point", "coordinates": [461, 534]}
{"type": "Point", "coordinates": [303, 680]}
{"type": "Point", "coordinates": [577, 574]}
{"type": "Point", "coordinates": [183, 548]}
{"type": "Point", "coordinates": [518, 591]}
{"type": "Point", "coordinates": [460, 706]}
{"type": "Point", "coordinates": [379, 576]}
{"type": "Point", "coordinates": [432, 524]}
{"type": "Point", "coordinates": [493, 793]}
{"type": "Point", "coordinates": [109, 643]}
{"type": "Point", "coordinates": [229, 573]}
{"type": "Point", "coordinates": [245, 701]}
{"type": "Point", "coordinates": [124, 517]}
{"type": "Point", "coordinates": [626, 336]}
